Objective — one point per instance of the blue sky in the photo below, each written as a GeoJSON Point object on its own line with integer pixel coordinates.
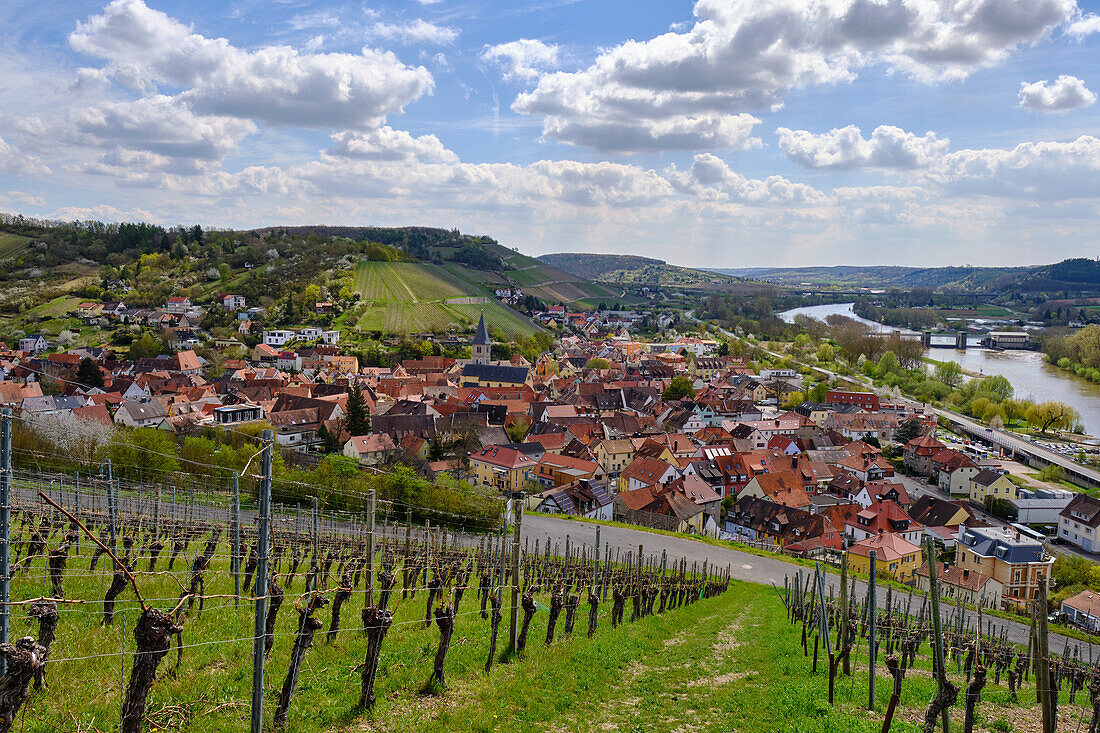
{"type": "Point", "coordinates": [720, 133]}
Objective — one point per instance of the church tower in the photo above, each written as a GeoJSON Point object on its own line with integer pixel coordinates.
{"type": "Point", "coordinates": [482, 349]}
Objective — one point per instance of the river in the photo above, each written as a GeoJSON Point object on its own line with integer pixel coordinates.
{"type": "Point", "coordinates": [1029, 374]}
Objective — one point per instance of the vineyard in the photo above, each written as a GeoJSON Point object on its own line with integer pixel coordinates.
{"type": "Point", "coordinates": [12, 245]}
{"type": "Point", "coordinates": [937, 667]}
{"type": "Point", "coordinates": [139, 607]}
{"type": "Point", "coordinates": [197, 601]}
{"type": "Point", "coordinates": [403, 297]}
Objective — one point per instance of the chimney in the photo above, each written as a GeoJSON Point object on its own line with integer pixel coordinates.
{"type": "Point", "coordinates": [945, 566]}
{"type": "Point", "coordinates": [794, 463]}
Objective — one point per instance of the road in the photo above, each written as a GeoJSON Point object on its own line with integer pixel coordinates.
{"type": "Point", "coordinates": [1002, 438]}
{"type": "Point", "coordinates": [743, 565]}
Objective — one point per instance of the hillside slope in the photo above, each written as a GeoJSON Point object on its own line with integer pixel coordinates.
{"type": "Point", "coordinates": [633, 271]}
{"type": "Point", "coordinates": [400, 297]}
{"type": "Point", "coordinates": [477, 260]}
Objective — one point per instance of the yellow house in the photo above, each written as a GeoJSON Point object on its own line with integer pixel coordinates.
{"type": "Point", "coordinates": [614, 455]}
{"type": "Point", "coordinates": [502, 468]}
{"type": "Point", "coordinates": [1019, 562]}
{"type": "Point", "coordinates": [987, 485]}
{"type": "Point", "coordinates": [892, 552]}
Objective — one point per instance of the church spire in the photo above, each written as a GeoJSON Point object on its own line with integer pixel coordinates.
{"type": "Point", "coordinates": [482, 336]}
{"type": "Point", "coordinates": [481, 352]}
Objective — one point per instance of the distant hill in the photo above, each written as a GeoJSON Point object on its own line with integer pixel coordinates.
{"type": "Point", "coordinates": [633, 271]}
{"type": "Point", "coordinates": [986, 278]}
{"type": "Point", "coordinates": [477, 260]}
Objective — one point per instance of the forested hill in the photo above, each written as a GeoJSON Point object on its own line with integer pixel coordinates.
{"type": "Point", "coordinates": [1077, 275]}
{"type": "Point", "coordinates": [635, 271]}
{"type": "Point", "coordinates": [595, 266]}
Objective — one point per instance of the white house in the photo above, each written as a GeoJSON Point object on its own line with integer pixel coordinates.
{"type": "Point", "coordinates": [178, 305]}
{"type": "Point", "coordinates": [233, 302]}
{"type": "Point", "coordinates": [33, 344]}
{"type": "Point", "coordinates": [278, 337]}
{"type": "Point", "coordinates": [143, 413]}
{"type": "Point", "coordinates": [330, 337]}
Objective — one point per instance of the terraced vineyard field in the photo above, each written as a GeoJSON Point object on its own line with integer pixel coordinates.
{"type": "Point", "coordinates": [404, 297]}
{"type": "Point", "coordinates": [12, 245]}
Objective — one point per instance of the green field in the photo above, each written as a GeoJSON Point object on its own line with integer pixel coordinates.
{"type": "Point", "coordinates": [403, 297]}
{"type": "Point", "coordinates": [12, 245]}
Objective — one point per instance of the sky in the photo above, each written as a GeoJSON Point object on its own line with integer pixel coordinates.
{"type": "Point", "coordinates": [720, 133]}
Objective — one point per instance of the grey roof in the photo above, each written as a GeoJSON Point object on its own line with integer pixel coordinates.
{"type": "Point", "coordinates": [150, 410]}
{"type": "Point", "coordinates": [482, 335]}
{"type": "Point", "coordinates": [68, 402]}
{"type": "Point", "coordinates": [495, 373]}
{"type": "Point", "coordinates": [1084, 509]}
{"type": "Point", "coordinates": [43, 403]}
{"type": "Point", "coordinates": [1002, 543]}
{"type": "Point", "coordinates": [986, 477]}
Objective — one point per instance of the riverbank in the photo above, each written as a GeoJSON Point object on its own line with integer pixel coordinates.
{"type": "Point", "coordinates": [1030, 374]}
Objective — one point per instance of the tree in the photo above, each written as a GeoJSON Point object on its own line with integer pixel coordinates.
{"type": "Point", "coordinates": [825, 353]}
{"type": "Point", "coordinates": [908, 430]}
{"type": "Point", "coordinates": [517, 431]}
{"type": "Point", "coordinates": [145, 347]}
{"type": "Point", "coordinates": [311, 294]}
{"type": "Point", "coordinates": [88, 374]}
{"type": "Point", "coordinates": [597, 363]}
{"type": "Point", "coordinates": [1051, 415]}
{"type": "Point", "coordinates": [329, 442]}
{"type": "Point", "coordinates": [996, 385]}
{"type": "Point", "coordinates": [679, 388]}
{"type": "Point", "coordinates": [144, 453]}
{"type": "Point", "coordinates": [949, 372]}
{"type": "Point", "coordinates": [794, 399]}
{"type": "Point", "coordinates": [818, 393]}
{"type": "Point", "coordinates": [357, 421]}
{"type": "Point", "coordinates": [776, 387]}
{"type": "Point", "coordinates": [1052, 474]}
{"type": "Point", "coordinates": [723, 348]}
{"type": "Point", "coordinates": [888, 363]}
{"type": "Point", "coordinates": [435, 450]}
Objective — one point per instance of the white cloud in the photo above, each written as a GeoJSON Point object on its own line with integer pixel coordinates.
{"type": "Point", "coordinates": [415, 32]}
{"type": "Point", "coordinates": [1084, 26]}
{"type": "Point", "coordinates": [162, 126]}
{"type": "Point", "coordinates": [385, 143]}
{"type": "Point", "coordinates": [102, 212]}
{"type": "Point", "coordinates": [1036, 171]}
{"type": "Point", "coordinates": [24, 198]}
{"type": "Point", "coordinates": [710, 178]}
{"type": "Point", "coordinates": [889, 147]}
{"type": "Point", "coordinates": [523, 59]}
{"type": "Point", "coordinates": [277, 85]}
{"type": "Point", "coordinates": [16, 162]}
{"type": "Point", "coordinates": [1066, 94]}
{"type": "Point", "coordinates": [744, 55]}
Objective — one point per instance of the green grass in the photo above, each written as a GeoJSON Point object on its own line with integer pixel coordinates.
{"type": "Point", "coordinates": [725, 663]}
{"type": "Point", "coordinates": [59, 306]}
{"type": "Point", "coordinates": [12, 245]}
{"type": "Point", "coordinates": [404, 297]}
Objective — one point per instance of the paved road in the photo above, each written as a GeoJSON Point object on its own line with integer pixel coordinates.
{"type": "Point", "coordinates": [743, 565]}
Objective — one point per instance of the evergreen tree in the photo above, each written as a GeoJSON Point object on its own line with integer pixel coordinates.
{"type": "Point", "coordinates": [358, 421]}
{"type": "Point", "coordinates": [88, 374]}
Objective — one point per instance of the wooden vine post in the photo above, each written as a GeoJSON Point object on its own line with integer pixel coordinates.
{"type": "Point", "coordinates": [153, 633]}
{"type": "Point", "coordinates": [948, 693]}
{"type": "Point", "coordinates": [260, 622]}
